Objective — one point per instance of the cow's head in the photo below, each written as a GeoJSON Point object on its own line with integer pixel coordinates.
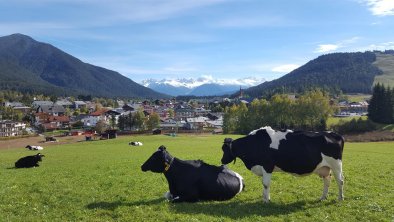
{"type": "Point", "coordinates": [228, 155]}
{"type": "Point", "coordinates": [39, 156]}
{"type": "Point", "coordinates": [159, 162]}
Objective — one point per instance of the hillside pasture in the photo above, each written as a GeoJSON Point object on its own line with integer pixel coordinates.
{"type": "Point", "coordinates": [102, 181]}
{"type": "Point", "coordinates": [385, 62]}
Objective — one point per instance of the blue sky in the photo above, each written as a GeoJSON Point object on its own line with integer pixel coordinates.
{"type": "Point", "coordinates": [224, 39]}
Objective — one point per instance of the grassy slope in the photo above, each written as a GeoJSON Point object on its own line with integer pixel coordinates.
{"type": "Point", "coordinates": [102, 181]}
{"type": "Point", "coordinates": [385, 62]}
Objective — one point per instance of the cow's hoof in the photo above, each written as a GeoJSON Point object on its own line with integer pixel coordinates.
{"type": "Point", "coordinates": [168, 196]}
{"type": "Point", "coordinates": [266, 201]}
{"type": "Point", "coordinates": [323, 198]}
{"type": "Point", "coordinates": [341, 198]}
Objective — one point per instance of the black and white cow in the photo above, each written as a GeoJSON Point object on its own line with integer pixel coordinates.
{"type": "Point", "coordinates": [135, 143]}
{"type": "Point", "coordinates": [34, 147]}
{"type": "Point", "coordinates": [29, 161]}
{"type": "Point", "coordinates": [194, 180]}
{"type": "Point", "coordinates": [265, 150]}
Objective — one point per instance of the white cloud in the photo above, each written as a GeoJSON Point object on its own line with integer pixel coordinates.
{"type": "Point", "coordinates": [285, 68]}
{"type": "Point", "coordinates": [380, 7]}
{"type": "Point", "coordinates": [326, 48]}
{"type": "Point", "coordinates": [379, 46]}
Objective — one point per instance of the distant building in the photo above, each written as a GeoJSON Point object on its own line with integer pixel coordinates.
{"type": "Point", "coordinates": [64, 103]}
{"type": "Point", "coordinates": [79, 104]}
{"type": "Point", "coordinates": [54, 110]}
{"type": "Point", "coordinates": [38, 103]}
{"type": "Point", "coordinates": [11, 128]}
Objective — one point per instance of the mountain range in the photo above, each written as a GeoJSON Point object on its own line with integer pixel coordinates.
{"type": "Point", "coordinates": [30, 66]}
{"type": "Point", "coordinates": [203, 86]}
{"type": "Point", "coordinates": [27, 65]}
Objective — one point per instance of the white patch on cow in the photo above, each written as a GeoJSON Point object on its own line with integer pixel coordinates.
{"type": "Point", "coordinates": [168, 195]}
{"type": "Point", "coordinates": [135, 144]}
{"type": "Point", "coordinates": [240, 178]}
{"type": "Point", "coordinates": [37, 147]}
{"type": "Point", "coordinates": [277, 169]}
{"type": "Point", "coordinates": [336, 167]}
{"type": "Point", "coordinates": [276, 136]}
{"type": "Point", "coordinates": [258, 170]}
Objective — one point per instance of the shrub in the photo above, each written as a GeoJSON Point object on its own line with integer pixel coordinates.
{"type": "Point", "coordinates": [354, 126]}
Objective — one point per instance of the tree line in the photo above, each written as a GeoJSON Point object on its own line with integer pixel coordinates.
{"type": "Point", "coordinates": [137, 121]}
{"type": "Point", "coordinates": [309, 111]}
{"type": "Point", "coordinates": [381, 105]}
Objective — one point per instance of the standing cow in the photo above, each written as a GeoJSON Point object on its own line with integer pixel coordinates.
{"type": "Point", "coordinates": [194, 180]}
{"type": "Point", "coordinates": [29, 161]}
{"type": "Point", "coordinates": [265, 150]}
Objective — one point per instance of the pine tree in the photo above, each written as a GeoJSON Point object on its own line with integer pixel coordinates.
{"type": "Point", "coordinates": [381, 107]}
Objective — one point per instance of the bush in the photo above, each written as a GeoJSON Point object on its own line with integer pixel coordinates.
{"type": "Point", "coordinates": [354, 126]}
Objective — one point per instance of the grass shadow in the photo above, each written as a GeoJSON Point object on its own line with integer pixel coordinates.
{"type": "Point", "coordinates": [113, 205]}
{"type": "Point", "coordinates": [233, 210]}
{"type": "Point", "coordinates": [238, 210]}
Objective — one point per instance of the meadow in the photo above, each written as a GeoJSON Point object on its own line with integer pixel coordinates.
{"type": "Point", "coordinates": [102, 181]}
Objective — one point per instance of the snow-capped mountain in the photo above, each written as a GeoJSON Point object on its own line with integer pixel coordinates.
{"type": "Point", "coordinates": [203, 86]}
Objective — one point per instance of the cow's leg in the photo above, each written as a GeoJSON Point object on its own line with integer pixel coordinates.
{"type": "Point", "coordinates": [326, 182]}
{"type": "Point", "coordinates": [337, 170]}
{"type": "Point", "coordinates": [168, 195]}
{"type": "Point", "coordinates": [324, 173]}
{"type": "Point", "coordinates": [266, 185]}
{"type": "Point", "coordinates": [185, 198]}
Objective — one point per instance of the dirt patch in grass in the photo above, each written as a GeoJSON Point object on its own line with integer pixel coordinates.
{"type": "Point", "coordinates": [38, 141]}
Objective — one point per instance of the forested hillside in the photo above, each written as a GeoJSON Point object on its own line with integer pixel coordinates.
{"type": "Point", "coordinates": [348, 72]}
{"type": "Point", "coordinates": [30, 66]}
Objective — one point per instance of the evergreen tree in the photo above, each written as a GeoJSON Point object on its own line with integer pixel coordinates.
{"type": "Point", "coordinates": [121, 122]}
{"type": "Point", "coordinates": [381, 106]}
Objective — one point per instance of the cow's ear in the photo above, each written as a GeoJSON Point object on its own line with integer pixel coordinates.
{"type": "Point", "coordinates": [228, 140]}
{"type": "Point", "coordinates": [162, 148]}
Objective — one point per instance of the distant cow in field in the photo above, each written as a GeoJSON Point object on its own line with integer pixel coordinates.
{"type": "Point", "coordinates": [34, 147]}
{"type": "Point", "coordinates": [265, 150]}
{"type": "Point", "coordinates": [135, 144]}
{"type": "Point", "coordinates": [29, 161]}
{"type": "Point", "coordinates": [194, 180]}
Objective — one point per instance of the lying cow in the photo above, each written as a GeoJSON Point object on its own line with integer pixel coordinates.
{"type": "Point", "coordinates": [135, 144]}
{"type": "Point", "coordinates": [29, 161]}
{"type": "Point", "coordinates": [34, 147]}
{"type": "Point", "coordinates": [194, 180]}
{"type": "Point", "coordinates": [265, 150]}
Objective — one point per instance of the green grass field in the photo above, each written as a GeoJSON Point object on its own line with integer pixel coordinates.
{"type": "Point", "coordinates": [386, 64]}
{"type": "Point", "coordinates": [102, 181]}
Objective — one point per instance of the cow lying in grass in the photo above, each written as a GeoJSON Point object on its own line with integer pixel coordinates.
{"type": "Point", "coordinates": [194, 180]}
{"type": "Point", "coordinates": [265, 150]}
{"type": "Point", "coordinates": [29, 161]}
{"type": "Point", "coordinates": [34, 147]}
{"type": "Point", "coordinates": [135, 144]}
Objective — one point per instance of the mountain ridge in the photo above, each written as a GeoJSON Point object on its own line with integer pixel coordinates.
{"type": "Point", "coordinates": [32, 66]}
{"type": "Point", "coordinates": [348, 72]}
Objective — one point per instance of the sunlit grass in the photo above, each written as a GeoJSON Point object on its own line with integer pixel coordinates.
{"type": "Point", "coordinates": [102, 181]}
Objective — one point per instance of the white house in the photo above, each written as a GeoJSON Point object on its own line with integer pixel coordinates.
{"type": "Point", "coordinates": [11, 128]}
